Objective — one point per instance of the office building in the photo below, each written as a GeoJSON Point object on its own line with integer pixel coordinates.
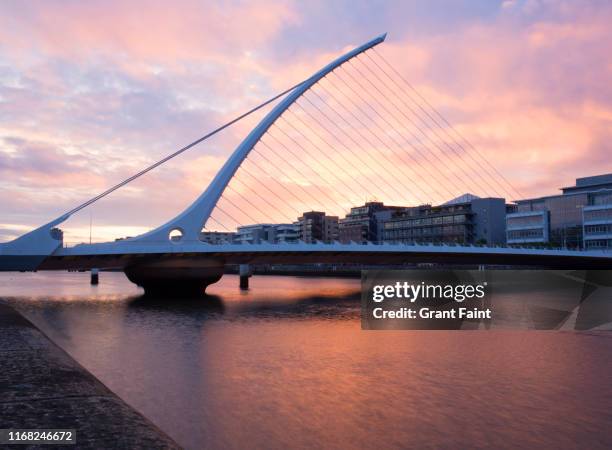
{"type": "Point", "coordinates": [361, 224]}
{"type": "Point", "coordinates": [252, 234]}
{"type": "Point", "coordinates": [217, 237]}
{"type": "Point", "coordinates": [267, 232]}
{"type": "Point", "coordinates": [576, 218]}
{"type": "Point", "coordinates": [527, 227]}
{"type": "Point", "coordinates": [465, 220]}
{"type": "Point", "coordinates": [597, 220]}
{"type": "Point", "coordinates": [284, 233]}
{"type": "Point", "coordinates": [314, 226]}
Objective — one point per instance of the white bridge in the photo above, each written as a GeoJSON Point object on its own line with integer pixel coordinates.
{"type": "Point", "coordinates": [153, 259]}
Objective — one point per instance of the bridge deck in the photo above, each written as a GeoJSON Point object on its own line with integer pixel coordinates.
{"type": "Point", "coordinates": [121, 254]}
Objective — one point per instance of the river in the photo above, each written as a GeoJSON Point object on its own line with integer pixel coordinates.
{"type": "Point", "coordinates": [286, 365]}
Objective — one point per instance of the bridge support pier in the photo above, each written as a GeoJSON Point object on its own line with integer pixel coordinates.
{"type": "Point", "coordinates": [176, 277]}
{"type": "Point", "coordinates": [245, 273]}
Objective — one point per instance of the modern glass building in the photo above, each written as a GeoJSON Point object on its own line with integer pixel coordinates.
{"type": "Point", "coordinates": [597, 221]}
{"type": "Point", "coordinates": [266, 232]}
{"type": "Point", "coordinates": [527, 227]}
{"type": "Point", "coordinates": [361, 224]}
{"type": "Point", "coordinates": [465, 220]}
{"type": "Point", "coordinates": [565, 220]}
{"type": "Point", "coordinates": [217, 237]}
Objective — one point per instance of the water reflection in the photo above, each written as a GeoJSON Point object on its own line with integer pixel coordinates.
{"type": "Point", "coordinates": [209, 304]}
{"type": "Point", "coordinates": [218, 307]}
{"type": "Point", "coordinates": [286, 365]}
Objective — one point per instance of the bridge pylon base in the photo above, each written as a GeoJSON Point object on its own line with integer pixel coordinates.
{"type": "Point", "coordinates": [175, 277]}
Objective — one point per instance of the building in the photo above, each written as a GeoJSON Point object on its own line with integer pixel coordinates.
{"type": "Point", "coordinates": [284, 233]}
{"type": "Point", "coordinates": [465, 220]}
{"type": "Point", "coordinates": [267, 232]}
{"type": "Point", "coordinates": [361, 224]}
{"type": "Point", "coordinates": [380, 218]}
{"type": "Point", "coordinates": [217, 237]}
{"type": "Point", "coordinates": [252, 234]}
{"type": "Point", "coordinates": [314, 226]}
{"type": "Point", "coordinates": [576, 218]}
{"type": "Point", "coordinates": [527, 227]}
{"type": "Point", "coordinates": [597, 221]}
{"type": "Point", "coordinates": [489, 219]}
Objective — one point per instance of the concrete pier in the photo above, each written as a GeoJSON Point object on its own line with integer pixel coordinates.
{"type": "Point", "coordinates": [244, 272]}
{"type": "Point", "coordinates": [43, 387]}
{"type": "Point", "coordinates": [176, 276]}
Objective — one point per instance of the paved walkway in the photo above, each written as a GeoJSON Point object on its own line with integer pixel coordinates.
{"type": "Point", "coordinates": [41, 386]}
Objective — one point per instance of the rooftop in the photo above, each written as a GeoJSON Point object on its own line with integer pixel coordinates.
{"type": "Point", "coordinates": [583, 185]}
{"type": "Point", "coordinates": [586, 184]}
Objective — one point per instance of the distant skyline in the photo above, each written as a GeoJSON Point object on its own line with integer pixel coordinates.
{"type": "Point", "coordinates": [91, 92]}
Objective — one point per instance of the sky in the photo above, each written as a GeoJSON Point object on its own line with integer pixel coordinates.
{"type": "Point", "coordinates": [91, 92]}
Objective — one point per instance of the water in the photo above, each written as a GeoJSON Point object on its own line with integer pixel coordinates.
{"type": "Point", "coordinates": [286, 365]}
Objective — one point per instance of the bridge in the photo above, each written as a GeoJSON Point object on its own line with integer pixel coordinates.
{"type": "Point", "coordinates": [173, 254]}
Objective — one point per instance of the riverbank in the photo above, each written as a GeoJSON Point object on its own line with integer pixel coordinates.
{"type": "Point", "coordinates": [43, 387]}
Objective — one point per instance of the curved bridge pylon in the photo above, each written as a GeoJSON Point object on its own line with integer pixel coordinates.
{"type": "Point", "coordinates": [28, 251]}
{"type": "Point", "coordinates": [191, 221]}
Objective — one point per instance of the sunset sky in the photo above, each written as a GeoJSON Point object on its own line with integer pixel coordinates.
{"type": "Point", "coordinates": [91, 92]}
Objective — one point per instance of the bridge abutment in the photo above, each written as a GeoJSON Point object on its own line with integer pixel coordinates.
{"type": "Point", "coordinates": [176, 277]}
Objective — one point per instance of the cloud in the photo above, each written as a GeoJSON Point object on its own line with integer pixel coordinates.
{"type": "Point", "coordinates": [146, 31]}
{"type": "Point", "coordinates": [532, 94]}
{"type": "Point", "coordinates": [91, 92]}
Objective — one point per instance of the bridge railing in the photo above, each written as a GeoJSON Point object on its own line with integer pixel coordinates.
{"type": "Point", "coordinates": [72, 244]}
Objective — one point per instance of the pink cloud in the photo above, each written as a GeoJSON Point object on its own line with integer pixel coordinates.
{"type": "Point", "coordinates": [147, 31]}
{"type": "Point", "coordinates": [97, 91]}
{"type": "Point", "coordinates": [537, 103]}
